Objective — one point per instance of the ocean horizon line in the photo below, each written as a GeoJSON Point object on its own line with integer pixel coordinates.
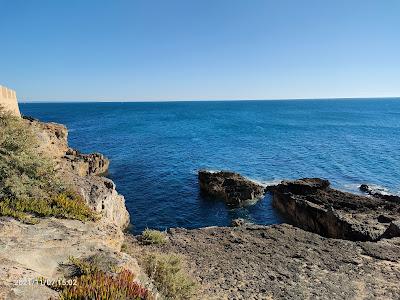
{"type": "Point", "coordinates": [209, 100]}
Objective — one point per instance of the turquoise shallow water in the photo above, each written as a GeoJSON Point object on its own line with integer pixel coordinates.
{"type": "Point", "coordinates": [157, 148]}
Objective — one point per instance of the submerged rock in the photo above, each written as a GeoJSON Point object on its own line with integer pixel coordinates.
{"type": "Point", "coordinates": [311, 204]}
{"type": "Point", "coordinates": [229, 186]}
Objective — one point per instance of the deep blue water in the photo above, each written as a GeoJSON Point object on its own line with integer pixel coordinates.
{"type": "Point", "coordinates": [157, 148]}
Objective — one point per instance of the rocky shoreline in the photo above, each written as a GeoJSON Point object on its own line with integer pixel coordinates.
{"type": "Point", "coordinates": [28, 252]}
{"type": "Point", "coordinates": [338, 245]}
{"type": "Point", "coordinates": [379, 193]}
{"type": "Point", "coordinates": [312, 205]}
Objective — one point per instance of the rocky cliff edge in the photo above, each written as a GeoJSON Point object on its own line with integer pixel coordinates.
{"type": "Point", "coordinates": [28, 252]}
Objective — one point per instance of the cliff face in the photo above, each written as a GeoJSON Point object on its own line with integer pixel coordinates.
{"type": "Point", "coordinates": [8, 100]}
{"type": "Point", "coordinates": [311, 204]}
{"type": "Point", "coordinates": [42, 250]}
{"type": "Point", "coordinates": [81, 171]}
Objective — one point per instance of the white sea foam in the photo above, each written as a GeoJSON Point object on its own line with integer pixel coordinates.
{"type": "Point", "coordinates": [208, 170]}
{"type": "Point", "coordinates": [350, 187]}
{"type": "Point", "coordinates": [269, 182]}
{"type": "Point", "coordinates": [375, 188]}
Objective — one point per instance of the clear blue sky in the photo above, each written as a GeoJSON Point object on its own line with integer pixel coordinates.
{"type": "Point", "coordinates": [199, 49]}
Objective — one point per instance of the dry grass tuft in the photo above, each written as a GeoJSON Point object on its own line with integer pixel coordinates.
{"type": "Point", "coordinates": [168, 272]}
{"type": "Point", "coordinates": [153, 237]}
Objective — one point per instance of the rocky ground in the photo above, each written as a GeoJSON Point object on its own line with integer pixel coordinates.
{"type": "Point", "coordinates": [28, 252]}
{"type": "Point", "coordinates": [285, 262]}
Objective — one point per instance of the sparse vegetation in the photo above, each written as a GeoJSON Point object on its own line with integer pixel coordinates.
{"type": "Point", "coordinates": [61, 206]}
{"type": "Point", "coordinates": [168, 271]}
{"type": "Point", "coordinates": [93, 283]}
{"type": "Point", "coordinates": [29, 185]}
{"type": "Point", "coordinates": [124, 248]}
{"type": "Point", "coordinates": [84, 267]}
{"type": "Point", "coordinates": [154, 237]}
{"type": "Point", "coordinates": [102, 286]}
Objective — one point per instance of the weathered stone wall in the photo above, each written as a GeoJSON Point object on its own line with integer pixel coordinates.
{"type": "Point", "coordinates": [8, 100]}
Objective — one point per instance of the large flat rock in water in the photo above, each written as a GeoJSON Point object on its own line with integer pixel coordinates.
{"type": "Point", "coordinates": [231, 187]}
{"type": "Point", "coordinates": [285, 262]}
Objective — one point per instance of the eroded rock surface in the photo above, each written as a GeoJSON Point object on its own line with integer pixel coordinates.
{"type": "Point", "coordinates": [81, 170]}
{"type": "Point", "coordinates": [311, 204]}
{"type": "Point", "coordinates": [52, 137]}
{"type": "Point", "coordinates": [33, 251]}
{"type": "Point", "coordinates": [40, 250]}
{"type": "Point", "coordinates": [285, 262]}
{"type": "Point", "coordinates": [86, 164]}
{"type": "Point", "coordinates": [229, 186]}
{"type": "Point", "coordinates": [101, 195]}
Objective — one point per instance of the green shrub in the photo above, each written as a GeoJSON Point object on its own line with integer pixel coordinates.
{"type": "Point", "coordinates": [6, 209]}
{"type": "Point", "coordinates": [168, 271]}
{"type": "Point", "coordinates": [124, 248]}
{"type": "Point", "coordinates": [84, 267]}
{"type": "Point", "coordinates": [154, 237]}
{"type": "Point", "coordinates": [60, 206]}
{"type": "Point", "coordinates": [29, 185]}
{"type": "Point", "coordinates": [24, 173]}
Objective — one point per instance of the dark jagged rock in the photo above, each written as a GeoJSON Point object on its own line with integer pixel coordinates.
{"type": "Point", "coordinates": [229, 186]}
{"type": "Point", "coordinates": [307, 186]}
{"type": "Point", "coordinates": [311, 204]}
{"type": "Point", "coordinates": [385, 219]}
{"type": "Point", "coordinates": [393, 230]}
{"type": "Point", "coordinates": [379, 193]}
{"type": "Point", "coordinates": [364, 188]}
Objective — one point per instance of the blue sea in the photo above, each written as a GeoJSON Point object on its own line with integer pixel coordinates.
{"type": "Point", "coordinates": [156, 150]}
